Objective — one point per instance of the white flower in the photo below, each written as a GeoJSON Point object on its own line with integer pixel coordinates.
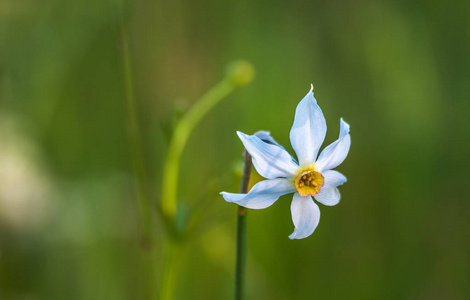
{"type": "Point", "coordinates": [306, 178]}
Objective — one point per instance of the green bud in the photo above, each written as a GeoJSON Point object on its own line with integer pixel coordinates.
{"type": "Point", "coordinates": [240, 73]}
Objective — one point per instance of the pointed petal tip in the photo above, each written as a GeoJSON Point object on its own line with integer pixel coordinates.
{"type": "Point", "coordinates": [311, 88]}
{"type": "Point", "coordinates": [228, 197]}
{"type": "Point", "coordinates": [344, 128]}
{"type": "Point", "coordinates": [293, 236]}
{"type": "Point", "coordinates": [241, 135]}
{"type": "Point", "coordinates": [224, 194]}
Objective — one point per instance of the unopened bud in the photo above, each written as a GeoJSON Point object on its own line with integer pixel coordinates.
{"type": "Point", "coordinates": [241, 73]}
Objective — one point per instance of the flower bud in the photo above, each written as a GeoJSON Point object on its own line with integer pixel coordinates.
{"type": "Point", "coordinates": [240, 73]}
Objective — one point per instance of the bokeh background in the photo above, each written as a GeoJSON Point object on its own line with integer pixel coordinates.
{"type": "Point", "coordinates": [397, 71]}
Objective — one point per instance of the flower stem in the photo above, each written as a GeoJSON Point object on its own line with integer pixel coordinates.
{"type": "Point", "coordinates": [174, 253]}
{"type": "Point", "coordinates": [178, 142]}
{"type": "Point", "coordinates": [173, 257]}
{"type": "Point", "coordinates": [241, 231]}
{"type": "Point", "coordinates": [239, 74]}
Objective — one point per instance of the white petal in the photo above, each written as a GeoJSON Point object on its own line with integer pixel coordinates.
{"type": "Point", "coordinates": [270, 161]}
{"type": "Point", "coordinates": [329, 193]}
{"type": "Point", "coordinates": [308, 131]}
{"type": "Point", "coordinates": [263, 194]}
{"type": "Point", "coordinates": [336, 152]}
{"type": "Point", "coordinates": [266, 137]}
{"type": "Point", "coordinates": [305, 215]}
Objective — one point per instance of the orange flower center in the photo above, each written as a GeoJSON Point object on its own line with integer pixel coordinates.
{"type": "Point", "coordinates": [309, 183]}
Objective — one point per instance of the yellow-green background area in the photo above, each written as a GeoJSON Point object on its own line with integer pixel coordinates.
{"type": "Point", "coordinates": [397, 71]}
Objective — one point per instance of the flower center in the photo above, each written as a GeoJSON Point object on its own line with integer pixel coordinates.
{"type": "Point", "coordinates": [309, 183]}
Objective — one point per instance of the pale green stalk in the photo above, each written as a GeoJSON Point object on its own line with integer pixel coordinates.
{"type": "Point", "coordinates": [240, 74]}
{"type": "Point", "coordinates": [173, 257]}
{"type": "Point", "coordinates": [180, 137]}
{"type": "Point", "coordinates": [173, 254]}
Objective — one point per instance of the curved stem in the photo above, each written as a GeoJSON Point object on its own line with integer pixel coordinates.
{"type": "Point", "coordinates": [179, 139]}
{"type": "Point", "coordinates": [241, 231]}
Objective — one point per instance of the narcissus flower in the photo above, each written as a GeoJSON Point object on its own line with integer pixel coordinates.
{"type": "Point", "coordinates": [307, 178]}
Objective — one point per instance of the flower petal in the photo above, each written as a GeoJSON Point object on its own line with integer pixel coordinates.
{"type": "Point", "coordinates": [266, 137]}
{"type": "Point", "coordinates": [263, 194]}
{"type": "Point", "coordinates": [305, 215]}
{"type": "Point", "coordinates": [329, 194]}
{"type": "Point", "coordinates": [309, 129]}
{"type": "Point", "coordinates": [270, 161]}
{"type": "Point", "coordinates": [335, 153]}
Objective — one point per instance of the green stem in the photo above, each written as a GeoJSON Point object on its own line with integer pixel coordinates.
{"type": "Point", "coordinates": [178, 142]}
{"type": "Point", "coordinates": [138, 163]}
{"type": "Point", "coordinates": [172, 262]}
{"type": "Point", "coordinates": [240, 73]}
{"type": "Point", "coordinates": [133, 131]}
{"type": "Point", "coordinates": [241, 231]}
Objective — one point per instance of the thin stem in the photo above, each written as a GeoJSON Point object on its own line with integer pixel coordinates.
{"type": "Point", "coordinates": [241, 231]}
{"type": "Point", "coordinates": [178, 142]}
{"type": "Point", "coordinates": [174, 253]}
{"type": "Point", "coordinates": [173, 258]}
{"type": "Point", "coordinates": [134, 136]}
{"type": "Point", "coordinates": [138, 162]}
{"type": "Point", "coordinates": [240, 74]}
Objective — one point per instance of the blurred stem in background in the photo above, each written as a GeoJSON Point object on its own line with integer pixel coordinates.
{"type": "Point", "coordinates": [239, 74]}
{"type": "Point", "coordinates": [138, 163]}
{"type": "Point", "coordinates": [241, 231]}
{"type": "Point", "coordinates": [172, 262]}
{"type": "Point", "coordinates": [178, 141]}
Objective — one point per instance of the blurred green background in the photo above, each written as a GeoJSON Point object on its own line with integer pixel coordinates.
{"type": "Point", "coordinates": [397, 71]}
